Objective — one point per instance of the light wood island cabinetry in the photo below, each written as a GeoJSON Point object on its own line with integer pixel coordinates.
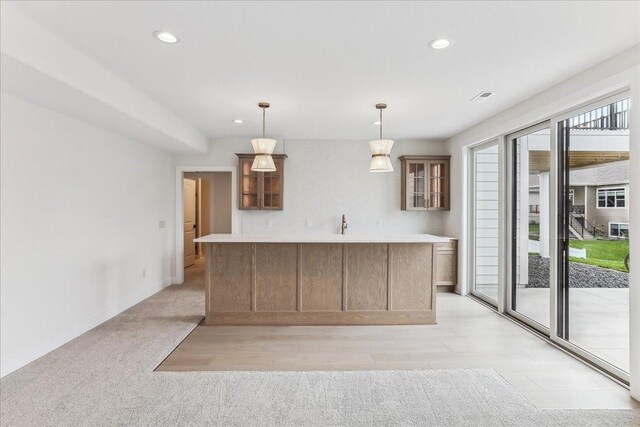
{"type": "Point", "coordinates": [338, 280]}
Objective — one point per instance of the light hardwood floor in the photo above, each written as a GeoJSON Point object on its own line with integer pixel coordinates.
{"type": "Point", "coordinates": [468, 335]}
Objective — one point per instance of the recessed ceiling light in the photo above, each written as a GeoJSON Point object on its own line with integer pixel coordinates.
{"type": "Point", "coordinates": [439, 43]}
{"type": "Point", "coordinates": [238, 121]}
{"type": "Point", "coordinates": [165, 36]}
{"type": "Point", "coordinates": [376, 123]}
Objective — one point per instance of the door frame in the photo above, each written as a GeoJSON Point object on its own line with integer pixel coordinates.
{"type": "Point", "coordinates": [510, 207]}
{"type": "Point", "coordinates": [557, 112]}
{"type": "Point", "coordinates": [558, 304]}
{"type": "Point", "coordinates": [178, 258]}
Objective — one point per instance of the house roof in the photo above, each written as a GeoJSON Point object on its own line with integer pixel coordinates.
{"type": "Point", "coordinates": [610, 173]}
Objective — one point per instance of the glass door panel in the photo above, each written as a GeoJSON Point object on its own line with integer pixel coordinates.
{"type": "Point", "coordinates": [249, 185]}
{"type": "Point", "coordinates": [530, 219]}
{"type": "Point", "coordinates": [416, 185]}
{"type": "Point", "coordinates": [270, 189]}
{"type": "Point", "coordinates": [485, 221]}
{"type": "Point", "coordinates": [594, 232]}
{"type": "Point", "coordinates": [437, 185]}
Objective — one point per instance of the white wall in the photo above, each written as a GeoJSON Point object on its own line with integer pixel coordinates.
{"type": "Point", "coordinates": [80, 213]}
{"type": "Point", "coordinates": [323, 180]}
{"type": "Point", "coordinates": [616, 74]}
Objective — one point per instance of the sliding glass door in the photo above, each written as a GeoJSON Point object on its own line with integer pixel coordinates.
{"type": "Point", "coordinates": [484, 226]}
{"type": "Point", "coordinates": [593, 232]}
{"type": "Point", "coordinates": [529, 222]}
{"type": "Point", "coordinates": [568, 227]}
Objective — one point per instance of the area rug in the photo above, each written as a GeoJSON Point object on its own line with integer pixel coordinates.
{"type": "Point", "coordinates": [106, 377]}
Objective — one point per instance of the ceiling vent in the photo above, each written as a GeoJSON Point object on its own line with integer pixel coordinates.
{"type": "Point", "coordinates": [482, 96]}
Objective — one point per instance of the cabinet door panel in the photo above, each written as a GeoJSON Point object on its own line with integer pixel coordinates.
{"type": "Point", "coordinates": [438, 197]}
{"type": "Point", "coordinates": [321, 277]}
{"type": "Point", "coordinates": [416, 185]}
{"type": "Point", "coordinates": [410, 276]}
{"type": "Point", "coordinates": [260, 190]}
{"type": "Point", "coordinates": [249, 185]}
{"type": "Point", "coordinates": [230, 264]}
{"type": "Point", "coordinates": [425, 182]}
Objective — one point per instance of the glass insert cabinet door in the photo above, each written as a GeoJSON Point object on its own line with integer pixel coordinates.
{"type": "Point", "coordinates": [425, 182]}
{"type": "Point", "coordinates": [260, 190]}
{"type": "Point", "coordinates": [437, 196]}
{"type": "Point", "coordinates": [416, 185]}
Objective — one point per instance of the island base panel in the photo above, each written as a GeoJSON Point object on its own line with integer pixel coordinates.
{"type": "Point", "coordinates": [321, 284]}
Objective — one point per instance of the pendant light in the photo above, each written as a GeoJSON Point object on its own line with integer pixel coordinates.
{"type": "Point", "coordinates": [380, 150]}
{"type": "Point", "coordinates": [263, 148]}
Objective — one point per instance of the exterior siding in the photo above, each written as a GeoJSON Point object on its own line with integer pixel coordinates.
{"type": "Point", "coordinates": [486, 213]}
{"type": "Point", "coordinates": [601, 217]}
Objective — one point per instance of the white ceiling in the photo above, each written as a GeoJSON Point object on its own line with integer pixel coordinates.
{"type": "Point", "coordinates": [323, 65]}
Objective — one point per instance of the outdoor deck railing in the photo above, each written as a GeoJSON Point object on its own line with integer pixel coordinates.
{"type": "Point", "coordinates": [577, 209]}
{"type": "Point", "coordinates": [582, 227]}
{"type": "Point", "coordinates": [610, 117]}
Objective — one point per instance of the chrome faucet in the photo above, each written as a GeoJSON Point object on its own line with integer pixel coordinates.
{"type": "Point", "coordinates": [344, 223]}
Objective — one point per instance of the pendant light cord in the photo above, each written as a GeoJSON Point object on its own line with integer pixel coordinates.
{"type": "Point", "coordinates": [264, 110]}
{"type": "Point", "coordinates": [381, 123]}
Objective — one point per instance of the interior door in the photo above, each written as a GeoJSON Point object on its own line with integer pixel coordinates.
{"type": "Point", "coordinates": [189, 191]}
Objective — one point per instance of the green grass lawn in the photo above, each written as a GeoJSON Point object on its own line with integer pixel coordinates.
{"type": "Point", "coordinates": [603, 253]}
{"type": "Point", "coordinates": [534, 231]}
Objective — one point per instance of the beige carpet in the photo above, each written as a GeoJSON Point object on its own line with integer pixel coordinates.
{"type": "Point", "coordinates": [106, 377]}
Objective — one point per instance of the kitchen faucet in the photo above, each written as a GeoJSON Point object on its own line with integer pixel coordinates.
{"type": "Point", "coordinates": [344, 223]}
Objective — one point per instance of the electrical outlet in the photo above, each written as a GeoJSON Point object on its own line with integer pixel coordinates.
{"type": "Point", "coordinates": [144, 272]}
{"type": "Point", "coordinates": [269, 223]}
{"type": "Point", "coordinates": [307, 223]}
{"type": "Point", "coordinates": [161, 224]}
{"type": "Point", "coordinates": [379, 224]}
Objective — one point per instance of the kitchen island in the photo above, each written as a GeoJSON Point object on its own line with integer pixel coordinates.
{"type": "Point", "coordinates": [325, 279]}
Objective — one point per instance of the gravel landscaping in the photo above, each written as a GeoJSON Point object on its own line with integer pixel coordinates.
{"type": "Point", "coordinates": [581, 275]}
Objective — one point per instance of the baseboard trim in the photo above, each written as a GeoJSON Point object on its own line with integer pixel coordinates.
{"type": "Point", "coordinates": [47, 345]}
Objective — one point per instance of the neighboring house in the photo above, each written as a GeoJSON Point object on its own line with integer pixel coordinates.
{"type": "Point", "coordinates": [599, 197]}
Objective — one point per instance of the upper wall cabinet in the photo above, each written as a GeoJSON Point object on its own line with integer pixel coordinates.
{"type": "Point", "coordinates": [425, 183]}
{"type": "Point", "coordinates": [260, 190]}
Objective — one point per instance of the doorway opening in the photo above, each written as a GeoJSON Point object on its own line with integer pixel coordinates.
{"type": "Point", "coordinates": [204, 200]}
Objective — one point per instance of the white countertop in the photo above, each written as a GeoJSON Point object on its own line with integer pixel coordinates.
{"type": "Point", "coordinates": [323, 238]}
